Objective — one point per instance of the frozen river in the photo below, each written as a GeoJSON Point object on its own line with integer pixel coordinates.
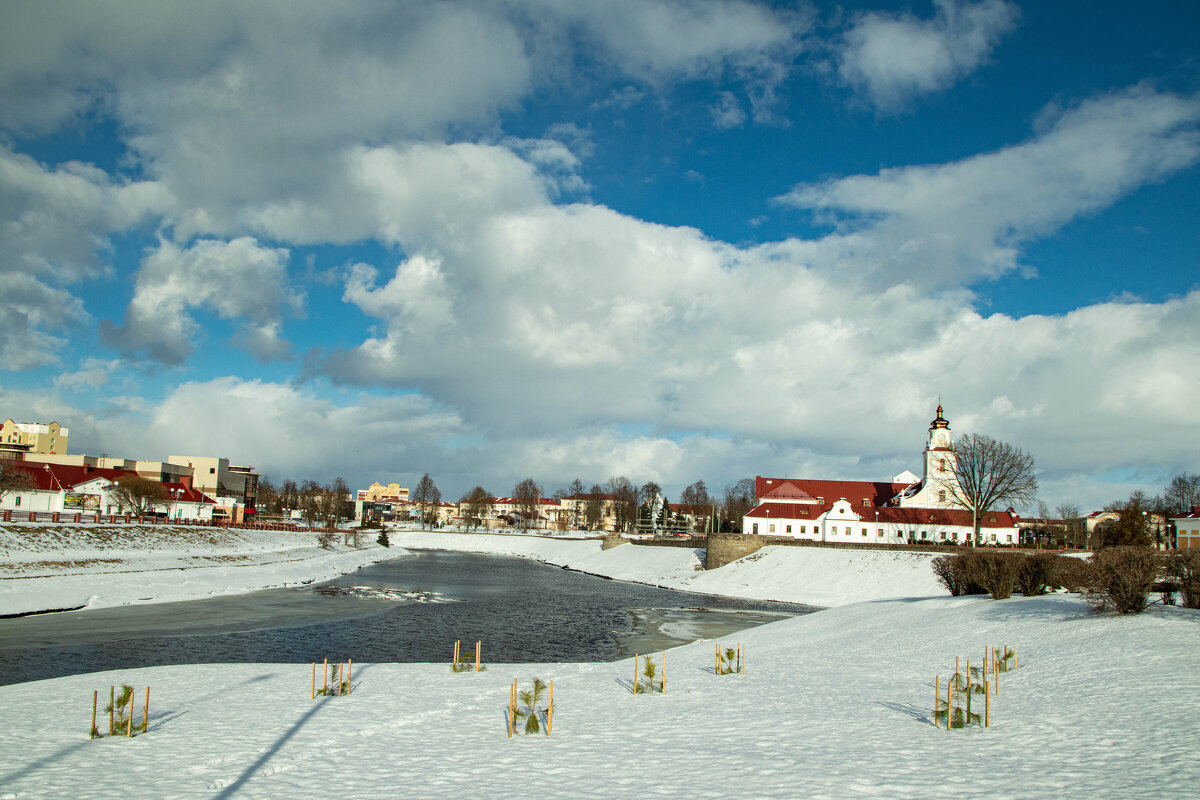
{"type": "Point", "coordinates": [407, 610]}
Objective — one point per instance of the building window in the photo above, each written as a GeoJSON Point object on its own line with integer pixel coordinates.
{"type": "Point", "coordinates": [804, 529]}
{"type": "Point", "coordinates": [771, 528]}
{"type": "Point", "coordinates": [866, 502]}
{"type": "Point", "coordinates": [864, 531]}
{"type": "Point", "coordinates": [941, 465]}
{"type": "Point", "coordinates": [789, 529]}
{"type": "Point", "coordinates": [17, 500]}
{"type": "Point", "coordinates": [755, 528]}
{"type": "Point", "coordinates": [941, 495]}
{"type": "Point", "coordinates": [899, 534]}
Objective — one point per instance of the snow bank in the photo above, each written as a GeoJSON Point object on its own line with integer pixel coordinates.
{"type": "Point", "coordinates": [46, 566]}
{"type": "Point", "coordinates": [810, 575]}
{"type": "Point", "coordinates": [833, 705]}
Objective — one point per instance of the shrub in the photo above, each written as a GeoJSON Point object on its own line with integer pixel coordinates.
{"type": "Point", "coordinates": [1072, 574]}
{"type": "Point", "coordinates": [995, 572]}
{"type": "Point", "coordinates": [1122, 579]}
{"type": "Point", "coordinates": [1183, 569]}
{"type": "Point", "coordinates": [955, 573]}
{"type": "Point", "coordinates": [383, 540]}
{"type": "Point", "coordinates": [326, 539]}
{"type": "Point", "coordinates": [1036, 572]}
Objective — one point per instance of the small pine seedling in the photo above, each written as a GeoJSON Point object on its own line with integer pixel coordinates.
{"type": "Point", "coordinates": [530, 698]}
{"type": "Point", "coordinates": [117, 709]}
{"type": "Point", "coordinates": [652, 682]}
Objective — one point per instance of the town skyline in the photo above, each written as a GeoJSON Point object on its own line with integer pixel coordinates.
{"type": "Point", "coordinates": [674, 242]}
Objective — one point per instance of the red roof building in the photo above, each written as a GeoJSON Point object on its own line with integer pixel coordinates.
{"type": "Point", "coordinates": [905, 510]}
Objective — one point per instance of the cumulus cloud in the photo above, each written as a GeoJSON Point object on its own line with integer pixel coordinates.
{"type": "Point", "coordinates": [965, 219]}
{"type": "Point", "coordinates": [892, 58]}
{"type": "Point", "coordinates": [55, 226]}
{"type": "Point", "coordinates": [239, 280]}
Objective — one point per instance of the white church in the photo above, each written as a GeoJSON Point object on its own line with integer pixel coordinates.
{"type": "Point", "coordinates": [905, 510]}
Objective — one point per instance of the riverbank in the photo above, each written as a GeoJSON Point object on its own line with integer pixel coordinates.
{"type": "Point", "coordinates": [832, 705]}
{"type": "Point", "coordinates": [809, 575]}
{"type": "Point", "coordinates": [47, 567]}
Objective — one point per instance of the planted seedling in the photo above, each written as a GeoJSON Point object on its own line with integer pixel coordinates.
{"type": "Point", "coordinates": [523, 705]}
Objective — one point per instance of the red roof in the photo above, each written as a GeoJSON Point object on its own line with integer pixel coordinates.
{"type": "Point", "coordinates": [61, 477]}
{"type": "Point", "coordinates": [889, 514]}
{"type": "Point", "coordinates": [877, 493]}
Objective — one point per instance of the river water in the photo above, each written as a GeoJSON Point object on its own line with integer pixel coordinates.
{"type": "Point", "coordinates": [406, 610]}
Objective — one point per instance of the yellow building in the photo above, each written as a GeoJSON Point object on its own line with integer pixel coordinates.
{"type": "Point", "coordinates": [377, 491]}
{"type": "Point", "coordinates": [41, 438]}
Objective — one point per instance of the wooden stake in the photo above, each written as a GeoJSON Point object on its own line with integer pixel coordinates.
{"type": "Point", "coordinates": [454, 658]}
{"type": "Point", "coordinates": [996, 667]}
{"type": "Point", "coordinates": [967, 719]}
{"type": "Point", "coordinates": [112, 701]}
{"type": "Point", "coordinates": [95, 699]}
{"type": "Point", "coordinates": [129, 722]}
{"type": "Point", "coordinates": [349, 675]}
{"type": "Point", "coordinates": [341, 675]}
{"type": "Point", "coordinates": [146, 711]}
{"type": "Point", "coordinates": [478, 651]}
{"type": "Point", "coordinates": [325, 676]}
{"type": "Point", "coordinates": [739, 658]}
{"type": "Point", "coordinates": [949, 704]}
{"type": "Point", "coordinates": [1016, 664]}
{"type": "Point", "coordinates": [550, 710]}
{"type": "Point", "coordinates": [937, 698]}
{"type": "Point", "coordinates": [717, 660]}
{"type": "Point", "coordinates": [314, 680]}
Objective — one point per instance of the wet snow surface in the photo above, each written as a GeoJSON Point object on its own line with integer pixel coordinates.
{"type": "Point", "coordinates": [833, 705]}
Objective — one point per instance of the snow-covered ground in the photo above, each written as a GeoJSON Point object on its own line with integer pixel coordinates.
{"type": "Point", "coordinates": [810, 575]}
{"type": "Point", "coordinates": [46, 566]}
{"type": "Point", "coordinates": [833, 705]}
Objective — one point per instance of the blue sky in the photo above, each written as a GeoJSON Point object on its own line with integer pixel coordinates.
{"type": "Point", "coordinates": [670, 240]}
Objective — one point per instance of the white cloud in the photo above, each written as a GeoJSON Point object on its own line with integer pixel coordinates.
{"type": "Point", "coordinates": [728, 112]}
{"type": "Point", "coordinates": [892, 58]}
{"type": "Point", "coordinates": [237, 280]}
{"type": "Point", "coordinates": [93, 372]}
{"type": "Point", "coordinates": [954, 222]}
{"type": "Point", "coordinates": [54, 229]}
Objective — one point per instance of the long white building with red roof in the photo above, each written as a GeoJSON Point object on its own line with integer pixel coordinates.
{"type": "Point", "coordinates": [905, 510]}
{"type": "Point", "coordinates": [85, 489]}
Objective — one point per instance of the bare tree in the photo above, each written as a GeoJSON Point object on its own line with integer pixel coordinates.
{"type": "Point", "coordinates": [624, 501]}
{"type": "Point", "coordinates": [528, 499]}
{"type": "Point", "coordinates": [739, 499]}
{"type": "Point", "coordinates": [695, 495]}
{"type": "Point", "coordinates": [987, 472]}
{"type": "Point", "coordinates": [477, 506]}
{"type": "Point", "coordinates": [1069, 514]}
{"type": "Point", "coordinates": [426, 496]}
{"type": "Point", "coordinates": [13, 478]}
{"type": "Point", "coordinates": [1182, 493]}
{"type": "Point", "coordinates": [139, 495]}
{"type": "Point", "coordinates": [593, 509]}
